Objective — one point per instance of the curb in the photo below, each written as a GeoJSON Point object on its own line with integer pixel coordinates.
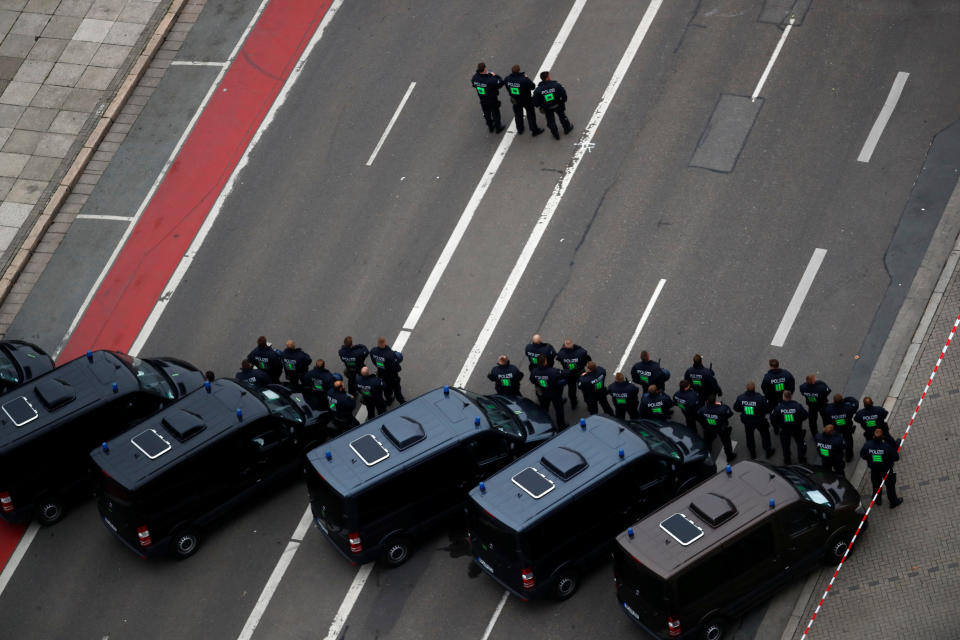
{"type": "Point", "coordinates": [43, 222]}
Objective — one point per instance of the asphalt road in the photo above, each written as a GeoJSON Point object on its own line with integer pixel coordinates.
{"type": "Point", "coordinates": [315, 245]}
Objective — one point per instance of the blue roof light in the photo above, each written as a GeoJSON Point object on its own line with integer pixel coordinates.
{"type": "Point", "coordinates": [115, 387]}
{"type": "Point", "coordinates": [239, 414]}
{"type": "Point", "coordinates": [476, 422]}
{"type": "Point", "coordinates": [328, 455]}
{"type": "Point", "coordinates": [583, 424]}
{"type": "Point", "coordinates": [105, 447]}
{"type": "Point", "coordinates": [206, 385]}
{"type": "Point", "coordinates": [621, 453]}
{"type": "Point", "coordinates": [728, 470]}
{"type": "Point", "coordinates": [630, 531]}
{"type": "Point", "coordinates": [90, 356]}
{"type": "Point", "coordinates": [446, 390]}
{"type": "Point", "coordinates": [483, 488]}
{"type": "Point", "coordinates": [772, 503]}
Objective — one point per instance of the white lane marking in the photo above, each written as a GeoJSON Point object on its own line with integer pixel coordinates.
{"type": "Point", "coordinates": [643, 321]}
{"type": "Point", "coordinates": [156, 183]}
{"type": "Point", "coordinates": [198, 63]}
{"type": "Point", "coordinates": [493, 620]}
{"type": "Point", "coordinates": [96, 216]}
{"type": "Point", "coordinates": [274, 580]}
{"type": "Point", "coordinates": [348, 601]}
{"type": "Point", "coordinates": [773, 58]}
{"type": "Point", "coordinates": [17, 555]}
{"type": "Point", "coordinates": [201, 236]}
{"type": "Point", "coordinates": [888, 106]}
{"type": "Point", "coordinates": [554, 201]}
{"type": "Point", "coordinates": [401, 340]}
{"type": "Point", "coordinates": [797, 300]}
{"type": "Point", "coordinates": [393, 120]}
{"type": "Point", "coordinates": [461, 227]}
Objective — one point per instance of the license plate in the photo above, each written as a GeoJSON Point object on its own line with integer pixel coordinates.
{"type": "Point", "coordinates": [110, 524]}
{"type": "Point", "coordinates": [321, 526]}
{"type": "Point", "coordinates": [631, 611]}
{"type": "Point", "coordinates": [484, 565]}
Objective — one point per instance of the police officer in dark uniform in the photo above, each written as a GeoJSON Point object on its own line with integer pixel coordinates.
{"type": "Point", "coordinates": [487, 85]}
{"type": "Point", "coordinates": [880, 456]}
{"type": "Point", "coordinates": [816, 393]}
{"type": "Point", "coordinates": [371, 388]}
{"type": "Point", "coordinates": [774, 383]}
{"type": "Point", "coordinates": [655, 404]}
{"type": "Point", "coordinates": [592, 385]}
{"type": "Point", "coordinates": [387, 361]}
{"type": "Point", "coordinates": [342, 405]}
{"type": "Point", "coordinates": [872, 417]}
{"type": "Point", "coordinates": [787, 419]}
{"type": "Point", "coordinates": [714, 417]}
{"type": "Point", "coordinates": [295, 362]}
{"type": "Point", "coordinates": [537, 348]}
{"type": "Point", "coordinates": [252, 376]}
{"type": "Point", "coordinates": [353, 356]}
{"type": "Point", "coordinates": [702, 379]}
{"type": "Point", "coordinates": [316, 383]}
{"type": "Point", "coordinates": [506, 377]}
{"type": "Point", "coordinates": [572, 358]}
{"type": "Point", "coordinates": [689, 402]}
{"type": "Point", "coordinates": [551, 97]}
{"type": "Point", "coordinates": [520, 88]}
{"type": "Point", "coordinates": [753, 409]}
{"type": "Point", "coordinates": [840, 413]}
{"type": "Point", "coordinates": [265, 358]}
{"type": "Point", "coordinates": [625, 396]}
{"type": "Point", "coordinates": [647, 372]}
{"type": "Point", "coordinates": [830, 446]}
{"type": "Point", "coordinates": [549, 383]}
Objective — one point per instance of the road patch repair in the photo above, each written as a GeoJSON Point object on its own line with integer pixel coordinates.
{"type": "Point", "coordinates": [726, 133]}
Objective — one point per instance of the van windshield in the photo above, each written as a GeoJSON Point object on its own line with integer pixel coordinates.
{"type": "Point", "coordinates": [492, 535]}
{"type": "Point", "coordinates": [647, 586]}
{"type": "Point", "coordinates": [151, 379]}
{"type": "Point", "coordinates": [657, 441]}
{"type": "Point", "coordinates": [281, 406]}
{"type": "Point", "coordinates": [808, 489]}
{"type": "Point", "coordinates": [8, 370]}
{"type": "Point", "coordinates": [498, 415]}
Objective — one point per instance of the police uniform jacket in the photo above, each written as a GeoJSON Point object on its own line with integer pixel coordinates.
{"type": "Point", "coordinates": [655, 405]}
{"type": "Point", "coordinates": [550, 95]}
{"type": "Point", "coordinates": [879, 454]}
{"type": "Point", "coordinates": [688, 401]}
{"type": "Point", "coordinates": [253, 377]}
{"type": "Point", "coordinates": [592, 383]}
{"type": "Point", "coordinates": [533, 351]}
{"type": "Point", "coordinates": [573, 360]}
{"type": "Point", "coordinates": [548, 381]}
{"type": "Point", "coordinates": [870, 418]}
{"type": "Point", "coordinates": [624, 393]}
{"type": "Point", "coordinates": [265, 359]}
{"type": "Point", "coordinates": [752, 407]}
{"type": "Point", "coordinates": [353, 357]}
{"type": "Point", "coordinates": [703, 380]}
{"type": "Point", "coordinates": [295, 362]}
{"type": "Point", "coordinates": [386, 360]}
{"type": "Point", "coordinates": [520, 88]}
{"type": "Point", "coordinates": [341, 403]}
{"type": "Point", "coordinates": [789, 415]}
{"type": "Point", "coordinates": [649, 372]}
{"type": "Point", "coordinates": [831, 446]}
{"type": "Point", "coordinates": [840, 415]}
{"type": "Point", "coordinates": [775, 382]}
{"type": "Point", "coordinates": [714, 417]}
{"type": "Point", "coordinates": [507, 378]}
{"type": "Point", "coordinates": [319, 379]}
{"type": "Point", "coordinates": [370, 388]}
{"type": "Point", "coordinates": [815, 394]}
{"type": "Point", "coordinates": [487, 86]}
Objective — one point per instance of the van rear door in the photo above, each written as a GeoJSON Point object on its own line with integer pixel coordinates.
{"type": "Point", "coordinates": [495, 547]}
{"type": "Point", "coordinates": [640, 592]}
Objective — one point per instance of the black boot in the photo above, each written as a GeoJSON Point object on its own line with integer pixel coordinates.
{"type": "Point", "coordinates": [536, 132]}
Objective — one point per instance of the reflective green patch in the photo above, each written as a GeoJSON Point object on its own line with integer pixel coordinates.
{"type": "Point", "coordinates": [778, 386]}
{"type": "Point", "coordinates": [788, 417]}
{"type": "Point", "coordinates": [515, 91]}
{"type": "Point", "coordinates": [621, 401]}
{"type": "Point", "coordinates": [481, 91]}
{"type": "Point", "coordinates": [825, 452]}
{"type": "Point", "coordinates": [505, 382]}
{"type": "Point", "coordinates": [712, 422]}
{"type": "Point", "coordinates": [748, 411]}
{"type": "Point", "coordinates": [877, 457]}
{"type": "Point", "coordinates": [548, 97]}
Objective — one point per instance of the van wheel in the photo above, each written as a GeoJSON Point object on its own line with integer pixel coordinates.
{"type": "Point", "coordinates": [50, 510]}
{"type": "Point", "coordinates": [836, 548]}
{"type": "Point", "coordinates": [185, 543]}
{"type": "Point", "coordinates": [715, 629]}
{"type": "Point", "coordinates": [566, 584]}
{"type": "Point", "coordinates": [396, 551]}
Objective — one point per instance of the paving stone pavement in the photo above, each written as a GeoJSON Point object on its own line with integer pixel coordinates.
{"type": "Point", "coordinates": [903, 579]}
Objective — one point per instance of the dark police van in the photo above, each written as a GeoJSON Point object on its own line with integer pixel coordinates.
{"type": "Point", "coordinates": [539, 524]}
{"type": "Point", "coordinates": [694, 566]}
{"type": "Point", "coordinates": [48, 425]}
{"type": "Point", "coordinates": [162, 482]}
{"type": "Point", "coordinates": [378, 487]}
{"type": "Point", "coordinates": [21, 362]}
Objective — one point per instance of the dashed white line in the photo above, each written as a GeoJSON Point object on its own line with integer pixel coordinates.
{"type": "Point", "coordinates": [884, 116]}
{"type": "Point", "coordinates": [643, 321]}
{"type": "Point", "coordinates": [97, 216]}
{"type": "Point", "coordinates": [773, 58]}
{"type": "Point", "coordinates": [496, 614]}
{"type": "Point", "coordinates": [17, 555]}
{"type": "Point", "coordinates": [348, 601]}
{"type": "Point", "coordinates": [798, 296]}
{"type": "Point", "coordinates": [393, 120]}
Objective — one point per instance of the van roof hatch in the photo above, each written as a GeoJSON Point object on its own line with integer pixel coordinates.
{"type": "Point", "coordinates": [369, 449]}
{"type": "Point", "coordinates": [54, 393]}
{"type": "Point", "coordinates": [713, 508]}
{"type": "Point", "coordinates": [681, 529]}
{"type": "Point", "coordinates": [533, 482]}
{"type": "Point", "coordinates": [183, 424]}
{"type": "Point", "coordinates": [20, 411]}
{"type": "Point", "coordinates": [564, 462]}
{"type": "Point", "coordinates": [404, 433]}
{"type": "Point", "coordinates": [152, 444]}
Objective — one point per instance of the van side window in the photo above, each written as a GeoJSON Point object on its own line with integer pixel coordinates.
{"type": "Point", "coordinates": [650, 471]}
{"type": "Point", "coordinates": [799, 519]}
{"type": "Point", "coordinates": [488, 447]}
{"type": "Point", "coordinates": [735, 558]}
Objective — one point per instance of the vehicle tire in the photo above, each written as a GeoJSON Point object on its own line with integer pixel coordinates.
{"type": "Point", "coordinates": [836, 547]}
{"type": "Point", "coordinates": [396, 551]}
{"type": "Point", "coordinates": [185, 543]}
{"type": "Point", "coordinates": [566, 583]}
{"type": "Point", "coordinates": [716, 628]}
{"type": "Point", "coordinates": [50, 510]}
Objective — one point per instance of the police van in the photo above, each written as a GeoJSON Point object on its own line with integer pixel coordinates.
{"type": "Point", "coordinates": [691, 568]}
{"type": "Point", "coordinates": [48, 425]}
{"type": "Point", "coordinates": [381, 486]}
{"type": "Point", "coordinates": [161, 483]}
{"type": "Point", "coordinates": [542, 522]}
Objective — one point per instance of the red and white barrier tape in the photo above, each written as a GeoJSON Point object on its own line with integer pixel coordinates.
{"type": "Point", "coordinates": [933, 374]}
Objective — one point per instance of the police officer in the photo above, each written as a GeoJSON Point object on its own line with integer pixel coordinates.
{"type": "Point", "coordinates": [689, 402]}
{"type": "Point", "coordinates": [816, 393]}
{"type": "Point", "coordinates": [830, 446]}
{"type": "Point", "coordinates": [774, 383]}
{"type": "Point", "coordinates": [714, 417]}
{"type": "Point", "coordinates": [572, 358]}
{"type": "Point", "coordinates": [265, 358]}
{"type": "Point", "coordinates": [295, 363]}
{"type": "Point", "coordinates": [387, 361]}
{"type": "Point", "coordinates": [551, 97]}
{"type": "Point", "coordinates": [371, 389]}
{"type": "Point", "coordinates": [880, 456]}
{"type": "Point", "coordinates": [342, 405]}
{"type": "Point", "coordinates": [872, 417]}
{"type": "Point", "coordinates": [487, 85]}
{"type": "Point", "coordinates": [840, 413]}
{"type": "Point", "coordinates": [353, 356]}
{"type": "Point", "coordinates": [625, 395]}
{"type": "Point", "coordinates": [537, 348]}
{"type": "Point", "coordinates": [647, 372]}
{"type": "Point", "coordinates": [316, 383]}
{"type": "Point", "coordinates": [252, 376]}
{"type": "Point", "coordinates": [655, 404]}
{"type": "Point", "coordinates": [520, 88]}
{"type": "Point", "coordinates": [506, 377]}
{"type": "Point", "coordinates": [787, 419]}
{"type": "Point", "coordinates": [592, 385]}
{"type": "Point", "coordinates": [549, 383]}
{"type": "Point", "coordinates": [753, 409]}
{"type": "Point", "coordinates": [702, 379]}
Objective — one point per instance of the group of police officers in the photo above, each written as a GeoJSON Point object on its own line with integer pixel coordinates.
{"type": "Point", "coordinates": [549, 96]}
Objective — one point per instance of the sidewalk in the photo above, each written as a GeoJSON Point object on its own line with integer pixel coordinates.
{"type": "Point", "coordinates": [903, 579]}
